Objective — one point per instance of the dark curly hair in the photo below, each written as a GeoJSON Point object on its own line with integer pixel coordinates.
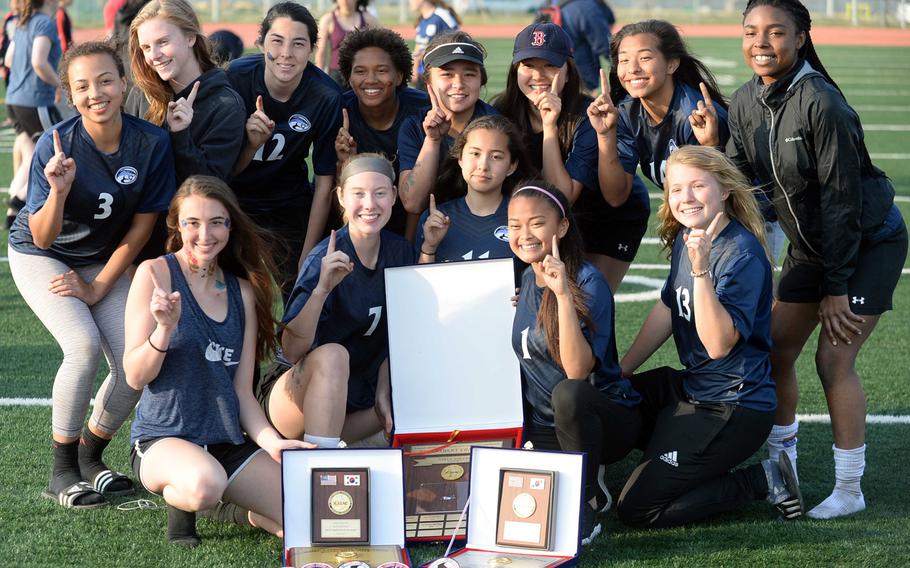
{"type": "Point", "coordinates": [85, 49]}
{"type": "Point", "coordinates": [381, 38]}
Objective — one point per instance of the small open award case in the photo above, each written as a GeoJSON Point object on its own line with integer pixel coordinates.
{"type": "Point", "coordinates": [342, 507]}
{"type": "Point", "coordinates": [456, 382]}
{"type": "Point", "coordinates": [489, 469]}
{"type": "Point", "coordinates": [526, 499]}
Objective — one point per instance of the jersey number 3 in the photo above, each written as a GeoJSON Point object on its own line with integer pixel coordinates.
{"type": "Point", "coordinates": [104, 205]}
{"type": "Point", "coordinates": [682, 303]}
{"type": "Point", "coordinates": [275, 154]}
{"type": "Point", "coordinates": [376, 314]}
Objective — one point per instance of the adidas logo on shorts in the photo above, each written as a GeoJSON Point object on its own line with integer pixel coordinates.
{"type": "Point", "coordinates": [670, 458]}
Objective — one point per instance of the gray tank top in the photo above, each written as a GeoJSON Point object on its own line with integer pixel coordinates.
{"type": "Point", "coordinates": [193, 396]}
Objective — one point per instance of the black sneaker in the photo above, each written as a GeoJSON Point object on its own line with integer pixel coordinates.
{"type": "Point", "coordinates": [793, 506]}
{"type": "Point", "coordinates": [603, 498]}
{"type": "Point", "coordinates": [590, 526]}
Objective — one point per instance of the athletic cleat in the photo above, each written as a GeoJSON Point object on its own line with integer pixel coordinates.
{"type": "Point", "coordinates": [793, 506]}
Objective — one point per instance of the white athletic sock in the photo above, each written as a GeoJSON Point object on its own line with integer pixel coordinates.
{"type": "Point", "coordinates": [322, 441]}
{"type": "Point", "coordinates": [783, 439]}
{"type": "Point", "coordinates": [847, 497]}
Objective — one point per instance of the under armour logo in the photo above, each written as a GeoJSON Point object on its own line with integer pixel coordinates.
{"type": "Point", "coordinates": [859, 299]}
{"type": "Point", "coordinates": [622, 247]}
{"type": "Point", "coordinates": [539, 38]}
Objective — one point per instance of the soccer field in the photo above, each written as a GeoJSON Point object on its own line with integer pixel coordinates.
{"type": "Point", "coordinates": [876, 81]}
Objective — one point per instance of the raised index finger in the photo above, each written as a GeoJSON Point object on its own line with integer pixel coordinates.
{"type": "Point", "coordinates": [259, 105]}
{"type": "Point", "coordinates": [155, 282]}
{"type": "Point", "coordinates": [434, 103]}
{"type": "Point", "coordinates": [709, 232]}
{"type": "Point", "coordinates": [705, 94]}
{"type": "Point", "coordinates": [554, 86]}
{"type": "Point", "coordinates": [331, 247]}
{"type": "Point", "coordinates": [432, 204]}
{"type": "Point", "coordinates": [603, 83]}
{"type": "Point", "coordinates": [555, 252]}
{"type": "Point", "coordinates": [58, 146]}
{"type": "Point", "coordinates": [345, 122]}
{"type": "Point", "coordinates": [191, 98]}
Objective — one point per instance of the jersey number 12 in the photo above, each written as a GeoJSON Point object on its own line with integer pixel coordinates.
{"type": "Point", "coordinates": [275, 154]}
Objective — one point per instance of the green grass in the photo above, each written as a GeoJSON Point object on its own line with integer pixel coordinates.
{"type": "Point", "coordinates": [36, 532]}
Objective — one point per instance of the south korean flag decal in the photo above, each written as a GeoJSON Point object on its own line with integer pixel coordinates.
{"type": "Point", "coordinates": [299, 123]}
{"type": "Point", "coordinates": [352, 480]}
{"type": "Point", "coordinates": [126, 175]}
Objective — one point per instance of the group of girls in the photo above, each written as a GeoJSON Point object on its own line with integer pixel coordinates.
{"type": "Point", "coordinates": [545, 175]}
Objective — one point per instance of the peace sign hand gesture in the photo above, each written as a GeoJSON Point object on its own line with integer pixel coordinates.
{"type": "Point", "coordinates": [439, 118]}
{"type": "Point", "coordinates": [435, 227]}
{"type": "Point", "coordinates": [345, 146]}
{"type": "Point", "coordinates": [549, 104]}
{"type": "Point", "coordinates": [698, 244]}
{"type": "Point", "coordinates": [60, 171]}
{"type": "Point", "coordinates": [601, 112]}
{"type": "Point", "coordinates": [704, 120]}
{"type": "Point", "coordinates": [259, 126]}
{"type": "Point", "coordinates": [165, 307]}
{"type": "Point", "coordinates": [554, 271]}
{"type": "Point", "coordinates": [180, 112]}
{"type": "Point", "coordinates": [336, 265]}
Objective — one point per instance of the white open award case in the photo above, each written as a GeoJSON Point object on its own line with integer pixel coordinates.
{"type": "Point", "coordinates": [481, 547]}
{"type": "Point", "coordinates": [455, 378]}
{"type": "Point", "coordinates": [386, 493]}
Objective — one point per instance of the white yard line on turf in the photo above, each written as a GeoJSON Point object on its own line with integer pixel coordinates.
{"type": "Point", "coordinates": [813, 418]}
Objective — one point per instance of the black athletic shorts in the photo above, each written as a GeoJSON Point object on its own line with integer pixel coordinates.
{"type": "Point", "coordinates": [232, 457]}
{"type": "Point", "coordinates": [262, 387]}
{"type": "Point", "coordinates": [869, 290]}
{"type": "Point", "coordinates": [286, 229]}
{"type": "Point", "coordinates": [33, 120]}
{"type": "Point", "coordinates": [603, 234]}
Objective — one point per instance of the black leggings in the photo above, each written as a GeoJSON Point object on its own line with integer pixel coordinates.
{"type": "Point", "coordinates": [587, 421]}
{"type": "Point", "coordinates": [689, 450]}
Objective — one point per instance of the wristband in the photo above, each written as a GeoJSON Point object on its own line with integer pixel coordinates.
{"type": "Point", "coordinates": [427, 253]}
{"type": "Point", "coordinates": [705, 272]}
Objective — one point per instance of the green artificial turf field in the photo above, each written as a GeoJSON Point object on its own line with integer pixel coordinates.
{"type": "Point", "coordinates": [36, 532]}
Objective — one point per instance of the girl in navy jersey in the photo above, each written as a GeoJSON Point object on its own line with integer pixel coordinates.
{"type": "Point", "coordinates": [292, 106]}
{"type": "Point", "coordinates": [454, 75]}
{"type": "Point", "coordinates": [197, 322]}
{"type": "Point", "coordinates": [563, 335]}
{"type": "Point", "coordinates": [377, 65]}
{"type": "Point", "coordinates": [792, 129]}
{"type": "Point", "coordinates": [434, 17]}
{"type": "Point", "coordinates": [97, 184]}
{"type": "Point", "coordinates": [656, 84]}
{"type": "Point", "coordinates": [331, 381]}
{"type": "Point", "coordinates": [543, 97]}
{"type": "Point", "coordinates": [489, 156]}
{"type": "Point", "coordinates": [699, 423]}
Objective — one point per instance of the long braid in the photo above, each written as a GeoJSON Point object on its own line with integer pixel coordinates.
{"type": "Point", "coordinates": [803, 21]}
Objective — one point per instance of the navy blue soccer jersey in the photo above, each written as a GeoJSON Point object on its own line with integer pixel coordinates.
{"type": "Point", "coordinates": [411, 136]}
{"type": "Point", "coordinates": [540, 372]}
{"type": "Point", "coordinates": [441, 20]}
{"type": "Point", "coordinates": [108, 190]}
{"type": "Point", "coordinates": [741, 275]}
{"type": "Point", "coordinates": [278, 176]}
{"type": "Point", "coordinates": [581, 164]}
{"type": "Point", "coordinates": [469, 236]}
{"type": "Point", "coordinates": [649, 145]}
{"type": "Point", "coordinates": [353, 315]}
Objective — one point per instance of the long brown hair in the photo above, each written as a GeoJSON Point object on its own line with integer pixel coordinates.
{"type": "Point", "coordinates": [571, 253]}
{"type": "Point", "coordinates": [27, 10]}
{"type": "Point", "coordinates": [245, 254]}
{"type": "Point", "coordinates": [451, 183]}
{"type": "Point", "coordinates": [515, 105]}
{"type": "Point", "coordinates": [157, 91]}
{"type": "Point", "coordinates": [740, 203]}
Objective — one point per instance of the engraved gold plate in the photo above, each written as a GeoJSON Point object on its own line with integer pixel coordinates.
{"type": "Point", "coordinates": [452, 472]}
{"type": "Point", "coordinates": [524, 505]}
{"type": "Point", "coordinates": [341, 502]}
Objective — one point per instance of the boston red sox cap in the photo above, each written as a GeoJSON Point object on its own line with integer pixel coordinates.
{"type": "Point", "coordinates": [546, 41]}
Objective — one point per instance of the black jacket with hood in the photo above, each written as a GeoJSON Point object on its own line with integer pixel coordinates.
{"type": "Point", "coordinates": [799, 137]}
{"type": "Point", "coordinates": [213, 141]}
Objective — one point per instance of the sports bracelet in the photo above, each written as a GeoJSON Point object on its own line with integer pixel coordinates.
{"type": "Point", "coordinates": [427, 253]}
{"type": "Point", "coordinates": [153, 345]}
{"type": "Point", "coordinates": [704, 272]}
